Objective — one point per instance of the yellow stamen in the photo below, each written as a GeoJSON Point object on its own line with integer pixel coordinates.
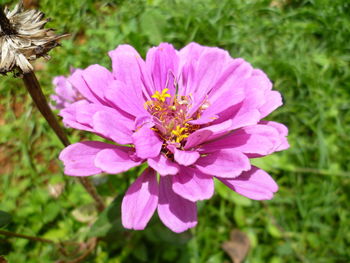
{"type": "Point", "coordinates": [179, 133]}
{"type": "Point", "coordinates": [161, 96]}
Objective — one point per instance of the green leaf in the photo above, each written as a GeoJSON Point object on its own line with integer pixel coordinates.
{"type": "Point", "coordinates": [5, 218]}
{"type": "Point", "coordinates": [153, 23]}
{"type": "Point", "coordinates": [274, 231]}
{"type": "Point", "coordinates": [231, 196]}
{"type": "Point", "coordinates": [109, 221]}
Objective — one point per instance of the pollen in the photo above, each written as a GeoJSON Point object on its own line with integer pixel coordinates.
{"type": "Point", "coordinates": [171, 117]}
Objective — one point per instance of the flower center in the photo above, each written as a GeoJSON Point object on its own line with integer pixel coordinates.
{"type": "Point", "coordinates": [171, 118]}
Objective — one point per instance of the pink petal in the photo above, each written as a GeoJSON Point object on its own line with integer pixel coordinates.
{"type": "Point", "coordinates": [256, 139]}
{"type": "Point", "coordinates": [140, 201]}
{"type": "Point", "coordinates": [193, 185]}
{"type": "Point", "coordinates": [69, 115]}
{"type": "Point", "coordinates": [283, 133]}
{"type": "Point", "coordinates": [65, 93]}
{"type": "Point", "coordinates": [77, 81]}
{"type": "Point", "coordinates": [255, 184]}
{"type": "Point", "coordinates": [207, 133]}
{"type": "Point", "coordinates": [226, 163]}
{"type": "Point", "coordinates": [245, 117]}
{"type": "Point", "coordinates": [231, 79]}
{"type": "Point", "coordinates": [260, 80]}
{"type": "Point", "coordinates": [192, 52]}
{"type": "Point", "coordinates": [207, 72]}
{"type": "Point", "coordinates": [123, 97]}
{"type": "Point", "coordinates": [79, 158]}
{"type": "Point", "coordinates": [162, 63]}
{"type": "Point", "coordinates": [97, 79]}
{"type": "Point", "coordinates": [80, 114]}
{"type": "Point", "coordinates": [222, 103]}
{"type": "Point", "coordinates": [185, 158]}
{"type": "Point", "coordinates": [116, 160]}
{"type": "Point", "coordinates": [273, 101]}
{"type": "Point", "coordinates": [129, 68]}
{"type": "Point", "coordinates": [163, 165]}
{"type": "Point", "coordinates": [112, 127]}
{"type": "Point", "coordinates": [147, 143]}
{"type": "Point", "coordinates": [177, 213]}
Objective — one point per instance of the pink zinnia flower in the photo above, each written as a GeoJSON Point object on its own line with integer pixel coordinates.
{"type": "Point", "coordinates": [65, 92]}
{"type": "Point", "coordinates": [192, 115]}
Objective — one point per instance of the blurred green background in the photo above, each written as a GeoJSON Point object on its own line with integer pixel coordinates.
{"type": "Point", "coordinates": [303, 46]}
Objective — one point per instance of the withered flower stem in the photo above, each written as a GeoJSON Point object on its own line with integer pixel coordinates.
{"type": "Point", "coordinates": [34, 89]}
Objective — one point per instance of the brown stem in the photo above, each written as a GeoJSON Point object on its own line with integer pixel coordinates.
{"type": "Point", "coordinates": [91, 244]}
{"type": "Point", "coordinates": [34, 89]}
{"type": "Point", "coordinates": [93, 192]}
{"type": "Point", "coordinates": [5, 23]}
{"type": "Point", "coordinates": [11, 234]}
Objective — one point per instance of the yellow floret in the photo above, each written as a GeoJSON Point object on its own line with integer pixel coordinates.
{"type": "Point", "coordinates": [161, 96]}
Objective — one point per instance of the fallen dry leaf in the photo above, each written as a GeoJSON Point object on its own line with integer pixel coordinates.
{"type": "Point", "coordinates": [2, 260]}
{"type": "Point", "coordinates": [55, 190]}
{"type": "Point", "coordinates": [237, 247]}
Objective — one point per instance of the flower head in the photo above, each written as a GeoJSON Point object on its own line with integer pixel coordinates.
{"type": "Point", "coordinates": [23, 38]}
{"type": "Point", "coordinates": [193, 115]}
{"type": "Point", "coordinates": [65, 92]}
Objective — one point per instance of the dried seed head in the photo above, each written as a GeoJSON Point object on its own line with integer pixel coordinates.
{"type": "Point", "coordinates": [23, 38]}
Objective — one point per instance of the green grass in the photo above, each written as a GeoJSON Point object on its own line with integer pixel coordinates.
{"type": "Point", "coordinates": [304, 48]}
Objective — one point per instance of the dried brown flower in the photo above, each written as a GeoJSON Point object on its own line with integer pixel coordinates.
{"type": "Point", "coordinates": [23, 38]}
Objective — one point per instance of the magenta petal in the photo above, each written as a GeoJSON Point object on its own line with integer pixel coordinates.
{"type": "Point", "coordinates": [207, 72]}
{"type": "Point", "coordinates": [162, 63]}
{"type": "Point", "coordinates": [69, 115]}
{"type": "Point", "coordinates": [97, 79]}
{"type": "Point", "coordinates": [225, 163]}
{"type": "Point", "coordinates": [185, 158]}
{"type": "Point", "coordinates": [193, 185]}
{"type": "Point", "coordinates": [255, 184]}
{"type": "Point", "coordinates": [283, 132]}
{"type": "Point", "coordinates": [222, 103]}
{"type": "Point", "coordinates": [65, 93]}
{"type": "Point", "coordinates": [256, 139]}
{"type": "Point", "coordinates": [80, 114]}
{"type": "Point", "coordinates": [177, 213]}
{"type": "Point", "coordinates": [140, 201]}
{"type": "Point", "coordinates": [273, 101]}
{"type": "Point", "coordinates": [245, 118]}
{"type": "Point", "coordinates": [231, 79]}
{"type": "Point", "coordinates": [112, 127]}
{"type": "Point", "coordinates": [77, 81]}
{"type": "Point", "coordinates": [79, 158]}
{"type": "Point", "coordinates": [123, 97]}
{"type": "Point", "coordinates": [128, 68]}
{"type": "Point", "coordinates": [163, 165]}
{"type": "Point", "coordinates": [116, 160]}
{"type": "Point", "coordinates": [147, 143]}
{"type": "Point", "coordinates": [207, 133]}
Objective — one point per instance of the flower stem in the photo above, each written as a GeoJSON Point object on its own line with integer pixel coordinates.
{"type": "Point", "coordinates": [90, 245]}
{"type": "Point", "coordinates": [5, 23]}
{"type": "Point", "coordinates": [11, 234]}
{"type": "Point", "coordinates": [34, 89]}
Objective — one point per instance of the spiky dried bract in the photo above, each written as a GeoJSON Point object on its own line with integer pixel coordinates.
{"type": "Point", "coordinates": [26, 40]}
